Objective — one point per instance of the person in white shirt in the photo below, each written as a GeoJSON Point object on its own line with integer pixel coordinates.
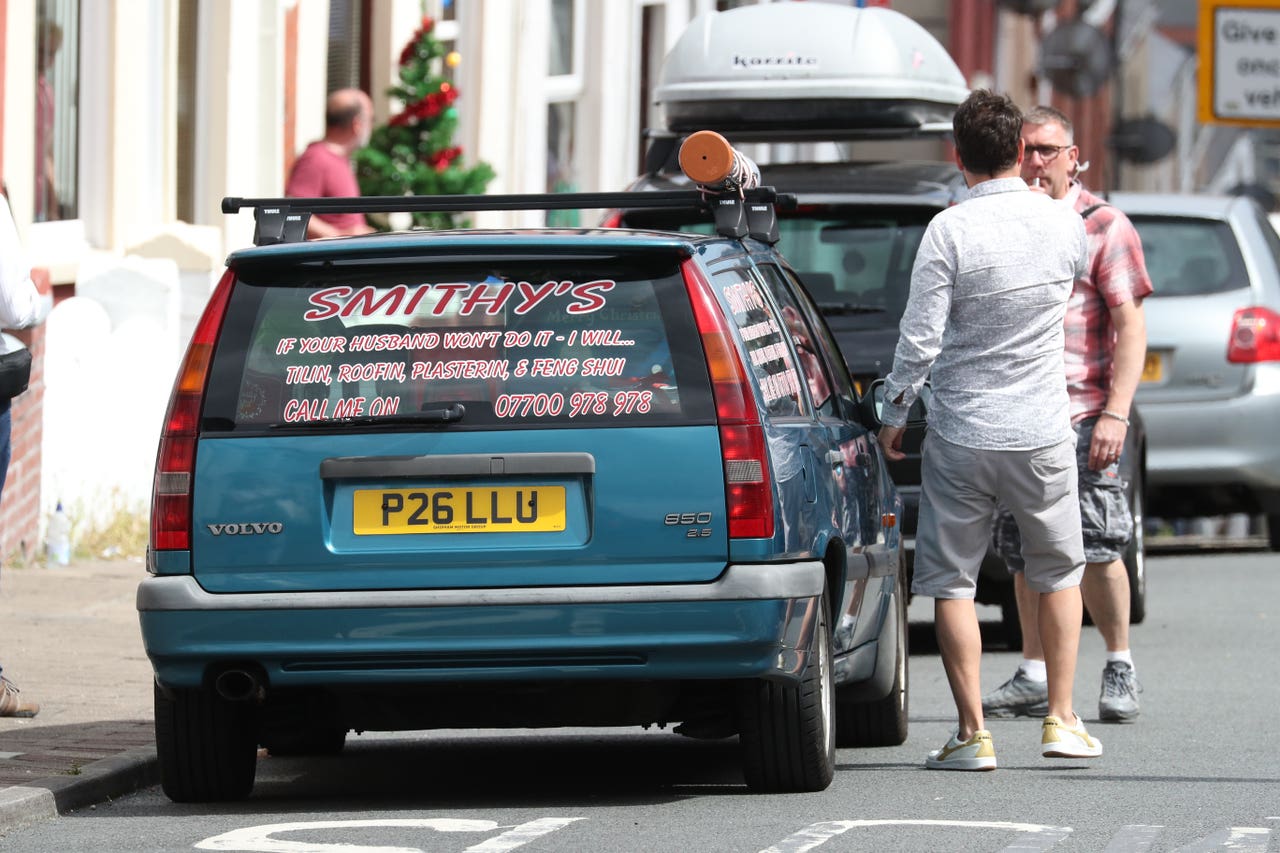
{"type": "Point", "coordinates": [22, 305]}
{"type": "Point", "coordinates": [984, 324]}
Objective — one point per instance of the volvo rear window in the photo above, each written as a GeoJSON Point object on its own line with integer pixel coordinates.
{"type": "Point", "coordinates": [1190, 257]}
{"type": "Point", "coordinates": [556, 343]}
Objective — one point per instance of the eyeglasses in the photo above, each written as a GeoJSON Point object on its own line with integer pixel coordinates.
{"type": "Point", "coordinates": [1048, 153]}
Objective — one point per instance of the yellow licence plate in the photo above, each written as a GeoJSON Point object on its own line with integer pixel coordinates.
{"type": "Point", "coordinates": [505, 509]}
{"type": "Point", "coordinates": [1153, 367]}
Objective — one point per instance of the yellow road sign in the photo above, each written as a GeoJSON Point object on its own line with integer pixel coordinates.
{"type": "Point", "coordinates": [1239, 46]}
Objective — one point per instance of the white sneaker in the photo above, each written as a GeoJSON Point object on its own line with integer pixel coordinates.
{"type": "Point", "coordinates": [976, 753]}
{"type": "Point", "coordinates": [1058, 740]}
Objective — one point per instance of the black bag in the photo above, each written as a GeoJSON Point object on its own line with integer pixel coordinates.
{"type": "Point", "coordinates": [15, 373]}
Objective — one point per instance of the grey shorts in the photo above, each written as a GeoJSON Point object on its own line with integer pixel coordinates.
{"type": "Point", "coordinates": [1104, 511]}
{"type": "Point", "coordinates": [959, 491]}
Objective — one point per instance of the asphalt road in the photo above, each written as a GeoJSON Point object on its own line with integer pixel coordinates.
{"type": "Point", "coordinates": [1197, 772]}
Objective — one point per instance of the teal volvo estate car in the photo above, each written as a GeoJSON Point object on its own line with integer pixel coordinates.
{"type": "Point", "coordinates": [531, 478]}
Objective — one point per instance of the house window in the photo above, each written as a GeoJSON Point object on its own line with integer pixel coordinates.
{"type": "Point", "coordinates": [564, 89]}
{"type": "Point", "coordinates": [185, 109]}
{"type": "Point", "coordinates": [347, 45]}
{"type": "Point", "coordinates": [560, 177]}
{"type": "Point", "coordinates": [652, 51]}
{"type": "Point", "coordinates": [562, 38]}
{"type": "Point", "coordinates": [57, 109]}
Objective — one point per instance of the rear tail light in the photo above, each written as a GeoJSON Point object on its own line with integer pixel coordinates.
{"type": "Point", "coordinates": [746, 469]}
{"type": "Point", "coordinates": [612, 220]}
{"type": "Point", "coordinates": [176, 458]}
{"type": "Point", "coordinates": [1255, 336]}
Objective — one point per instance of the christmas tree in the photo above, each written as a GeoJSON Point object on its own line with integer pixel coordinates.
{"type": "Point", "coordinates": [413, 153]}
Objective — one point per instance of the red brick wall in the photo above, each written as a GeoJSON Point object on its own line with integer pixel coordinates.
{"type": "Point", "coordinates": [20, 506]}
{"type": "Point", "coordinates": [972, 36]}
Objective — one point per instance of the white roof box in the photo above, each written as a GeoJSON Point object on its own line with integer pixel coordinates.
{"type": "Point", "coordinates": [809, 66]}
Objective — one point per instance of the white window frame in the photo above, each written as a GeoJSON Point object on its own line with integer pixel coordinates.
{"type": "Point", "coordinates": [570, 87]}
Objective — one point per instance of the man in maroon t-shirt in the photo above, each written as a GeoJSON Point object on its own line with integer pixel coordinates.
{"type": "Point", "coordinates": [324, 170]}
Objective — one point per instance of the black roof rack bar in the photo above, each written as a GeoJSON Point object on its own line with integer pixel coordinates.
{"type": "Point", "coordinates": [444, 203]}
{"type": "Point", "coordinates": [284, 220]}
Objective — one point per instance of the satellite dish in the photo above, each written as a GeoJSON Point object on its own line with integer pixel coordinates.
{"type": "Point", "coordinates": [1076, 58]}
{"type": "Point", "coordinates": [1028, 7]}
{"type": "Point", "coordinates": [1142, 140]}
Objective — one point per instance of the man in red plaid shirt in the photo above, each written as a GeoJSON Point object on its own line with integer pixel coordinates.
{"type": "Point", "coordinates": [1106, 343]}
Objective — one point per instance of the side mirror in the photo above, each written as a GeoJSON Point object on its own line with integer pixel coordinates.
{"type": "Point", "coordinates": [871, 404]}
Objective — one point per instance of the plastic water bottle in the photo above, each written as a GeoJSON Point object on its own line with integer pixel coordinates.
{"type": "Point", "coordinates": [58, 540]}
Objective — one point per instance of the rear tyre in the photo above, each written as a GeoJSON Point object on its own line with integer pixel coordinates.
{"type": "Point", "coordinates": [1135, 556]}
{"type": "Point", "coordinates": [207, 746]}
{"type": "Point", "coordinates": [882, 722]}
{"type": "Point", "coordinates": [787, 731]}
{"type": "Point", "coordinates": [321, 741]}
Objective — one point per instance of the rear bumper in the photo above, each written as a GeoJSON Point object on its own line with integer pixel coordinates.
{"type": "Point", "coordinates": [1224, 443]}
{"type": "Point", "coordinates": [753, 622]}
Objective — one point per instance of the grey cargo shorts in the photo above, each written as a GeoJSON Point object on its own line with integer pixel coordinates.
{"type": "Point", "coordinates": [959, 490]}
{"type": "Point", "coordinates": [1104, 511]}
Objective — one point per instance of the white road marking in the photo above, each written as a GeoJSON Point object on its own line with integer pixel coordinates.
{"type": "Point", "coordinates": [258, 839]}
{"type": "Point", "coordinates": [1135, 838]}
{"type": "Point", "coordinates": [1030, 838]}
{"type": "Point", "coordinates": [1034, 836]}
{"type": "Point", "coordinates": [522, 834]}
{"type": "Point", "coordinates": [1239, 839]}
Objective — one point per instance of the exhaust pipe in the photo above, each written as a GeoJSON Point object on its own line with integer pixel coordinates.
{"type": "Point", "coordinates": [237, 684]}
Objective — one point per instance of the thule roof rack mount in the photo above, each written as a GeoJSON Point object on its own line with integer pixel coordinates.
{"type": "Point", "coordinates": [747, 212]}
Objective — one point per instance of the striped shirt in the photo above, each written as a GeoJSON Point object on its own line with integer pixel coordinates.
{"type": "Point", "coordinates": [1117, 274]}
{"type": "Point", "coordinates": [984, 320]}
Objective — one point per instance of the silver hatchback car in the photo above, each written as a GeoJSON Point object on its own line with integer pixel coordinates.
{"type": "Point", "coordinates": [1210, 392]}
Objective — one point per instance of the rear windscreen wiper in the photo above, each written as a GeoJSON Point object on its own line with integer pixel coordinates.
{"type": "Point", "coordinates": [451, 414]}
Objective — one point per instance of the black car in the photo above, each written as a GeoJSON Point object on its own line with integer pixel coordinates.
{"type": "Point", "coordinates": [852, 236]}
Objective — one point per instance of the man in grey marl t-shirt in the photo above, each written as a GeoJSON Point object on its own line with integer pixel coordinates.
{"type": "Point", "coordinates": [984, 323]}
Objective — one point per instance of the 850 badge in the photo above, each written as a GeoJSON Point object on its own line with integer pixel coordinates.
{"type": "Point", "coordinates": [695, 522]}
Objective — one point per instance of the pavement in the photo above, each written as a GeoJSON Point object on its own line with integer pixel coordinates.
{"type": "Point", "coordinates": [69, 638]}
